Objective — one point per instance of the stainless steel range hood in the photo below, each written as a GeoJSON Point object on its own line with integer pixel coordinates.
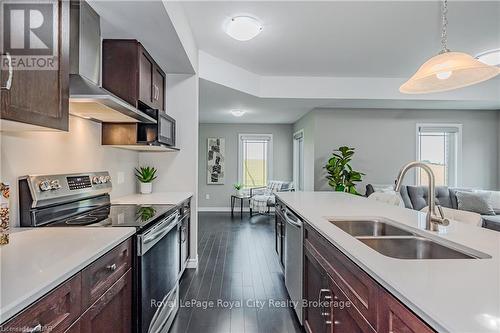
{"type": "Point", "coordinates": [86, 96]}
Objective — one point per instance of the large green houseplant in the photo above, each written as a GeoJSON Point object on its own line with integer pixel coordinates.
{"type": "Point", "coordinates": [341, 177]}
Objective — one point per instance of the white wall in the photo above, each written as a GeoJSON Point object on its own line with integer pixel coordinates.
{"type": "Point", "coordinates": [78, 150]}
{"type": "Point", "coordinates": [386, 139]}
{"type": "Point", "coordinates": [220, 194]}
{"type": "Point", "coordinates": [498, 166]}
{"type": "Point", "coordinates": [177, 171]}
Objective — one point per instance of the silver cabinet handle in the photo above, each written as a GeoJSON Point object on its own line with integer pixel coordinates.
{"type": "Point", "coordinates": [327, 297]}
{"type": "Point", "coordinates": [111, 268]}
{"type": "Point", "coordinates": [37, 328]}
{"type": "Point", "coordinates": [8, 84]}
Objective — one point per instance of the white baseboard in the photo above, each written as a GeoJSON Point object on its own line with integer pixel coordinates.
{"type": "Point", "coordinates": [192, 263]}
{"type": "Point", "coordinates": [225, 209]}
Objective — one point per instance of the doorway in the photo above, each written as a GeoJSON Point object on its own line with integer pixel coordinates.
{"type": "Point", "coordinates": [298, 160]}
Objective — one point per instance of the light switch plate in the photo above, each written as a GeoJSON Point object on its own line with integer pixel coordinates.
{"type": "Point", "coordinates": [121, 177]}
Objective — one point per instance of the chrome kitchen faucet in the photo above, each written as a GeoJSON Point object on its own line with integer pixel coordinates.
{"type": "Point", "coordinates": [432, 220]}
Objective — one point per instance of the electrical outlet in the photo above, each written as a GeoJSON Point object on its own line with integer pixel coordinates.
{"type": "Point", "coordinates": [121, 177]}
{"type": "Point", "coordinates": [207, 196]}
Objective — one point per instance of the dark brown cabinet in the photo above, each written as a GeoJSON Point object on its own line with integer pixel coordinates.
{"type": "Point", "coordinates": [112, 312]}
{"type": "Point", "coordinates": [96, 299]}
{"type": "Point", "coordinates": [355, 302]}
{"type": "Point", "coordinates": [54, 312]}
{"type": "Point", "coordinates": [40, 97]}
{"type": "Point", "coordinates": [129, 72]}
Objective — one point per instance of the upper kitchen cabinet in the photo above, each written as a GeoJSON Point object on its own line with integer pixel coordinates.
{"type": "Point", "coordinates": [129, 72]}
{"type": "Point", "coordinates": [35, 71]}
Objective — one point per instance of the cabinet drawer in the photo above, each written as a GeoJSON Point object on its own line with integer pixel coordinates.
{"type": "Point", "coordinates": [112, 312]}
{"type": "Point", "coordinates": [53, 313]}
{"type": "Point", "coordinates": [104, 272]}
{"type": "Point", "coordinates": [356, 284]}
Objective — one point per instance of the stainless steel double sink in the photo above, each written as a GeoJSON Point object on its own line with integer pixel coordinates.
{"type": "Point", "coordinates": [392, 240]}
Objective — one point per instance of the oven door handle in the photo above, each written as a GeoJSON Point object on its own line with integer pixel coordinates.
{"type": "Point", "coordinates": [160, 318]}
{"type": "Point", "coordinates": [149, 239]}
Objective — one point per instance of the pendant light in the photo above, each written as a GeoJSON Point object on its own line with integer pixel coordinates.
{"type": "Point", "coordinates": [448, 70]}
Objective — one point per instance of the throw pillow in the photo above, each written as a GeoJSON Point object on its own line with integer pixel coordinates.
{"type": "Point", "coordinates": [474, 202]}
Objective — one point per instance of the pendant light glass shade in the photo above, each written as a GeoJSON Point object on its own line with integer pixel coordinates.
{"type": "Point", "coordinates": [447, 71]}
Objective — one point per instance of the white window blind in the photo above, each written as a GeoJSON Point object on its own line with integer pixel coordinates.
{"type": "Point", "coordinates": [439, 145]}
{"type": "Point", "coordinates": [255, 154]}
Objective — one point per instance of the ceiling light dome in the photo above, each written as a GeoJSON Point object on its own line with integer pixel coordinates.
{"type": "Point", "coordinates": [243, 28]}
{"type": "Point", "coordinates": [447, 71]}
{"type": "Point", "coordinates": [238, 113]}
{"type": "Point", "coordinates": [491, 57]}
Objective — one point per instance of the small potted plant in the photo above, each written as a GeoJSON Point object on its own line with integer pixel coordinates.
{"type": "Point", "coordinates": [239, 189]}
{"type": "Point", "coordinates": [146, 175]}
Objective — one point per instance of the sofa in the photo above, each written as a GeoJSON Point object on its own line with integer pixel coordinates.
{"type": "Point", "coordinates": [415, 197]}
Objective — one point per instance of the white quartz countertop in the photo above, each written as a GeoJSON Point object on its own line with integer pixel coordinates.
{"type": "Point", "coordinates": [159, 198]}
{"type": "Point", "coordinates": [451, 295]}
{"type": "Point", "coordinates": [37, 260]}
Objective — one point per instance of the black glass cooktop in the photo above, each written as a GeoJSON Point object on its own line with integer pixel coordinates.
{"type": "Point", "coordinates": [138, 216]}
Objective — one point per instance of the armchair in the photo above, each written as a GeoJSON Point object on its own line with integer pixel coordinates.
{"type": "Point", "coordinates": [263, 198]}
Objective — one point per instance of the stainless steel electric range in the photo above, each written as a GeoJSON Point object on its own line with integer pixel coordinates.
{"type": "Point", "coordinates": [82, 200]}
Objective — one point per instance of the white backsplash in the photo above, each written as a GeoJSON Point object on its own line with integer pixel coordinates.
{"type": "Point", "coordinates": [78, 150]}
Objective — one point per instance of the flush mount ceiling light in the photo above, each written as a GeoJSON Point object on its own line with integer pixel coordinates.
{"type": "Point", "coordinates": [448, 70]}
{"type": "Point", "coordinates": [238, 113]}
{"type": "Point", "coordinates": [491, 57]}
{"type": "Point", "coordinates": [243, 28]}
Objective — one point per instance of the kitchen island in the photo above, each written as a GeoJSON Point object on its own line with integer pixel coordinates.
{"type": "Point", "coordinates": [449, 295]}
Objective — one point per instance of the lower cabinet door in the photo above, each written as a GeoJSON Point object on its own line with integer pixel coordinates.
{"type": "Point", "coordinates": [345, 318]}
{"type": "Point", "coordinates": [396, 318]}
{"type": "Point", "coordinates": [317, 318]}
{"type": "Point", "coordinates": [112, 312]}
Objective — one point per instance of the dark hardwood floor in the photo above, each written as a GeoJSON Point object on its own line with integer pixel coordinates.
{"type": "Point", "coordinates": [237, 267]}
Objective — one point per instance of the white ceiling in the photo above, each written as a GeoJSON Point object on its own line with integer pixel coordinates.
{"type": "Point", "coordinates": [216, 102]}
{"type": "Point", "coordinates": [344, 39]}
{"type": "Point", "coordinates": [149, 23]}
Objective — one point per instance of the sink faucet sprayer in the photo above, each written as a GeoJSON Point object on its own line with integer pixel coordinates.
{"type": "Point", "coordinates": [432, 219]}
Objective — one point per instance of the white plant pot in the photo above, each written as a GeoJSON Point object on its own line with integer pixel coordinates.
{"type": "Point", "coordinates": [240, 192]}
{"type": "Point", "coordinates": [146, 188]}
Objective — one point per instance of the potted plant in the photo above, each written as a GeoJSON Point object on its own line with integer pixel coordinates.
{"type": "Point", "coordinates": [341, 177]}
{"type": "Point", "coordinates": [146, 175]}
{"type": "Point", "coordinates": [239, 189]}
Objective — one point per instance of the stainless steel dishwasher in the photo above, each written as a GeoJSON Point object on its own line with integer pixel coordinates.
{"type": "Point", "coordinates": [293, 260]}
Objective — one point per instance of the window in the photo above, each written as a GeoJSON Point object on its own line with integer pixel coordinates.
{"type": "Point", "coordinates": [440, 146]}
{"type": "Point", "coordinates": [255, 159]}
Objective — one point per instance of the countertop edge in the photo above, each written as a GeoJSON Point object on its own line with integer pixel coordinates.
{"type": "Point", "coordinates": [12, 310]}
{"type": "Point", "coordinates": [172, 198]}
{"type": "Point", "coordinates": [410, 305]}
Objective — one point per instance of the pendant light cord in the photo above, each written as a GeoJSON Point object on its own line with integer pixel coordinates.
{"type": "Point", "coordinates": [444, 27]}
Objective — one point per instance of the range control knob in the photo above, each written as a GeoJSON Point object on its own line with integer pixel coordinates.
{"type": "Point", "coordinates": [44, 185]}
{"type": "Point", "coordinates": [102, 179]}
{"type": "Point", "coordinates": [55, 185]}
{"type": "Point", "coordinates": [96, 180]}
{"type": "Point", "coordinates": [107, 179]}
